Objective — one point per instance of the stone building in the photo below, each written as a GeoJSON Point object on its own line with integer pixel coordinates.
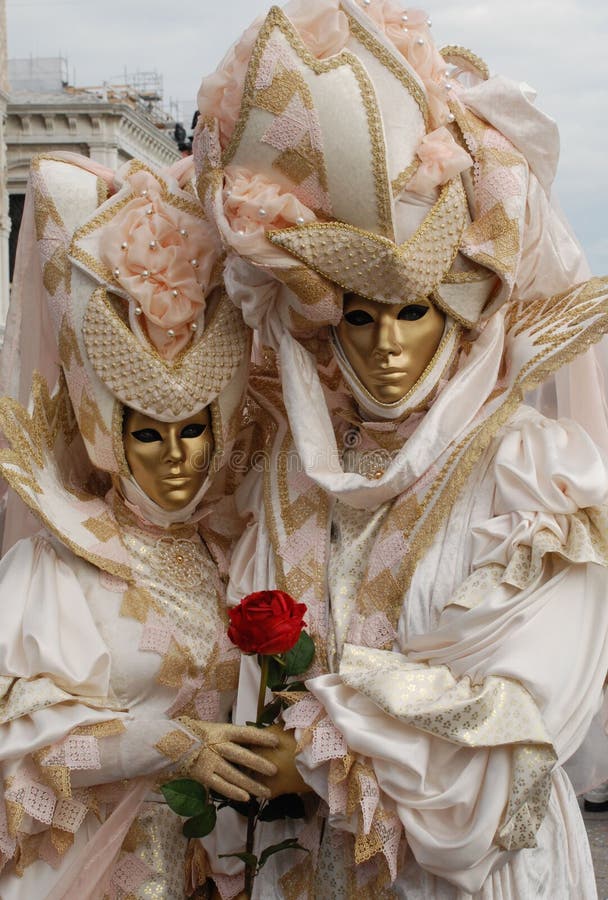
{"type": "Point", "coordinates": [4, 204]}
{"type": "Point", "coordinates": [110, 124]}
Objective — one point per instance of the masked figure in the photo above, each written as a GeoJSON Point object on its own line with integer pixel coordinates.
{"type": "Point", "coordinates": [389, 236]}
{"type": "Point", "coordinates": [115, 669]}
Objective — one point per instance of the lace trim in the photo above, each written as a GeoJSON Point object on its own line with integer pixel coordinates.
{"type": "Point", "coordinates": [353, 788]}
{"type": "Point", "coordinates": [41, 792]}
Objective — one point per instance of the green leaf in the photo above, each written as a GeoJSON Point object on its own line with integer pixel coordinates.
{"type": "Point", "coordinates": [287, 806]}
{"type": "Point", "coordinates": [271, 712]}
{"type": "Point", "coordinates": [250, 859]}
{"type": "Point", "coordinates": [185, 796]}
{"type": "Point", "coordinates": [298, 659]}
{"type": "Point", "coordinates": [289, 844]}
{"type": "Point", "coordinates": [277, 674]}
{"type": "Point", "coordinates": [201, 825]}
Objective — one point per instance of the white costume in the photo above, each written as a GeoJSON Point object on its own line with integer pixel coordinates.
{"type": "Point", "coordinates": [451, 547]}
{"type": "Point", "coordinates": [113, 621]}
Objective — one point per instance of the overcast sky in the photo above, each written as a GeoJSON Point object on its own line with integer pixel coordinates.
{"type": "Point", "coordinates": [558, 46]}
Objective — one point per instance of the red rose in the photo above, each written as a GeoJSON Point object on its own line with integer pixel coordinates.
{"type": "Point", "coordinates": [266, 622]}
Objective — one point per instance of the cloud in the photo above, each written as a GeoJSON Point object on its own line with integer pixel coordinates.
{"type": "Point", "coordinates": [558, 46]}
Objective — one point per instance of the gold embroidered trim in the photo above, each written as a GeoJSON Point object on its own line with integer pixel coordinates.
{"type": "Point", "coordinates": [102, 191]}
{"type": "Point", "coordinates": [457, 55]}
{"type": "Point", "coordinates": [374, 266]}
{"type": "Point", "coordinates": [276, 19]}
{"type": "Point", "coordinates": [396, 68]}
{"type": "Point", "coordinates": [401, 180]}
{"type": "Point", "coordinates": [139, 377]}
{"type": "Point", "coordinates": [175, 744]}
{"type": "Point", "coordinates": [32, 438]}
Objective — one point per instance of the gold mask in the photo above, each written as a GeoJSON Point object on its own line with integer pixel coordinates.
{"type": "Point", "coordinates": [168, 460]}
{"type": "Point", "coordinates": [389, 345]}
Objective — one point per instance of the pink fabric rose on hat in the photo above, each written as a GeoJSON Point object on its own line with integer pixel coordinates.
{"type": "Point", "coordinates": [441, 159]}
{"type": "Point", "coordinates": [163, 257]}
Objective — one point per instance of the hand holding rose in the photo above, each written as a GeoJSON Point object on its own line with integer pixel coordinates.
{"type": "Point", "coordinates": [222, 746]}
{"type": "Point", "coordinates": [287, 779]}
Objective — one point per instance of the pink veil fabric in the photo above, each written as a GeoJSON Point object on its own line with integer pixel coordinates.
{"type": "Point", "coordinates": [88, 877]}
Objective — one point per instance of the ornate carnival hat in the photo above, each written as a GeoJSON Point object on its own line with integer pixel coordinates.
{"type": "Point", "coordinates": [140, 315]}
{"type": "Point", "coordinates": [331, 152]}
{"type": "Point", "coordinates": [137, 317]}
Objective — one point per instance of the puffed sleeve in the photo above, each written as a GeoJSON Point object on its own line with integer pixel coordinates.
{"type": "Point", "coordinates": [66, 743]}
{"type": "Point", "coordinates": [465, 725]}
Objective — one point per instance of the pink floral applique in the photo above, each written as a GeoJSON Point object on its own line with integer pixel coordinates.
{"type": "Point", "coordinates": [441, 159]}
{"type": "Point", "coordinates": [163, 257]}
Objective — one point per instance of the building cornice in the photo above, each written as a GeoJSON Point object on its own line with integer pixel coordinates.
{"type": "Point", "coordinates": [124, 117]}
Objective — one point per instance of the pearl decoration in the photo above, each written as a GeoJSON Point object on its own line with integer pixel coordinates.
{"type": "Point", "coordinates": [171, 333]}
{"type": "Point", "coordinates": [183, 232]}
{"type": "Point", "coordinates": [300, 220]}
{"type": "Point", "coordinates": [262, 212]}
{"type": "Point", "coordinates": [116, 273]}
{"type": "Point", "coordinates": [448, 85]}
{"type": "Point", "coordinates": [429, 22]}
{"type": "Point", "coordinates": [145, 273]}
{"type": "Point", "coordinates": [366, 2]}
{"type": "Point", "coordinates": [194, 327]}
{"type": "Point", "coordinates": [138, 310]}
{"type": "Point", "coordinates": [149, 210]}
{"type": "Point", "coordinates": [420, 41]}
{"type": "Point", "coordinates": [152, 245]}
{"type": "Point", "coordinates": [194, 263]}
{"type": "Point", "coordinates": [124, 245]}
{"type": "Point", "coordinates": [144, 193]}
{"type": "Point", "coordinates": [405, 17]}
{"type": "Point", "coordinates": [451, 117]}
{"type": "Point", "coordinates": [175, 293]}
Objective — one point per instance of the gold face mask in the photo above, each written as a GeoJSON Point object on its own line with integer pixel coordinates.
{"type": "Point", "coordinates": [389, 345]}
{"type": "Point", "coordinates": [168, 460]}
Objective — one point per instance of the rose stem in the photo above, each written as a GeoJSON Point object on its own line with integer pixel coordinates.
{"type": "Point", "coordinates": [253, 806]}
{"type": "Point", "coordinates": [249, 869]}
{"type": "Point", "coordinates": [263, 683]}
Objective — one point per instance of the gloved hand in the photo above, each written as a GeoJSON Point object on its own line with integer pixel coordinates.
{"type": "Point", "coordinates": [287, 779]}
{"type": "Point", "coordinates": [223, 745]}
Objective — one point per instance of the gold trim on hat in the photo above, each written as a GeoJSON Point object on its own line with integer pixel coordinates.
{"type": "Point", "coordinates": [140, 378]}
{"type": "Point", "coordinates": [374, 267]}
{"type": "Point", "coordinates": [277, 21]}
{"type": "Point", "coordinates": [466, 59]}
